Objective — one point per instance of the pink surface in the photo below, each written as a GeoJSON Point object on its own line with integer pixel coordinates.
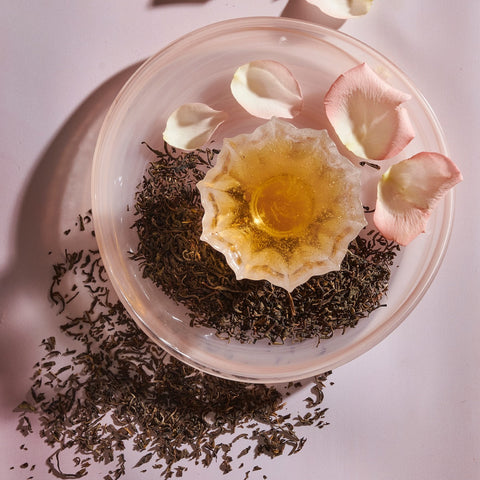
{"type": "Point", "coordinates": [407, 409]}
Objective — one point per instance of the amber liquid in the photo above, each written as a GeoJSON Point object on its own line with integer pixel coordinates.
{"type": "Point", "coordinates": [287, 187]}
{"type": "Point", "coordinates": [283, 205]}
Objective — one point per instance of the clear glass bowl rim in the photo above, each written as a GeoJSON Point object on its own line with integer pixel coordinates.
{"type": "Point", "coordinates": [423, 283]}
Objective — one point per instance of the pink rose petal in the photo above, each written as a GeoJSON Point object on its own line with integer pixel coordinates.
{"type": "Point", "coordinates": [266, 89]}
{"type": "Point", "coordinates": [408, 192]}
{"type": "Point", "coordinates": [343, 8]}
{"type": "Point", "coordinates": [366, 114]}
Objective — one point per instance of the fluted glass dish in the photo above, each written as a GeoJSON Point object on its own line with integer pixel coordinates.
{"type": "Point", "coordinates": [198, 68]}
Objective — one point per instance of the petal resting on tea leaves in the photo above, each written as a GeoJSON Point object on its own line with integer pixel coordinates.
{"type": "Point", "coordinates": [366, 114]}
{"type": "Point", "coordinates": [191, 125]}
{"type": "Point", "coordinates": [266, 89]}
{"type": "Point", "coordinates": [343, 8]}
{"type": "Point", "coordinates": [408, 192]}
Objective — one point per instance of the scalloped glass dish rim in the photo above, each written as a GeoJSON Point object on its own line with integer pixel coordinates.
{"type": "Point", "coordinates": [104, 234]}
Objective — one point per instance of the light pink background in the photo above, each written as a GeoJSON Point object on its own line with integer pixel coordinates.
{"type": "Point", "coordinates": [407, 409]}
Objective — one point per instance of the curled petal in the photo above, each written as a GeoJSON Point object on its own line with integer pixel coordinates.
{"type": "Point", "coordinates": [191, 125]}
{"type": "Point", "coordinates": [266, 89]}
{"type": "Point", "coordinates": [366, 114]}
{"type": "Point", "coordinates": [408, 192]}
{"type": "Point", "coordinates": [343, 8]}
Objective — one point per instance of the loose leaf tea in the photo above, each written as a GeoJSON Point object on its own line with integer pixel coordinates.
{"type": "Point", "coordinates": [112, 394]}
{"type": "Point", "coordinates": [170, 253]}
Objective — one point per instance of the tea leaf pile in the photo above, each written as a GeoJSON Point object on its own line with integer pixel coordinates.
{"type": "Point", "coordinates": [170, 253]}
{"type": "Point", "coordinates": [112, 393]}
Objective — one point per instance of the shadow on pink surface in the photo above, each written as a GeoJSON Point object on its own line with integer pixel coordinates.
{"type": "Point", "coordinates": [297, 9]}
{"type": "Point", "coordinates": [56, 193]}
{"type": "Point", "coordinates": [302, 10]}
{"type": "Point", "coordinates": [160, 3]}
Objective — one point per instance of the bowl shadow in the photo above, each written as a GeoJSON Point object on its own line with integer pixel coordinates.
{"type": "Point", "coordinates": [57, 191]}
{"type": "Point", "coordinates": [302, 10]}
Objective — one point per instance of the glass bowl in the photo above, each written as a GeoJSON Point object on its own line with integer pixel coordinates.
{"type": "Point", "coordinates": [198, 68]}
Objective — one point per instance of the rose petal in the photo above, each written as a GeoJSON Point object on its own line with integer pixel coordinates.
{"type": "Point", "coordinates": [191, 125]}
{"type": "Point", "coordinates": [366, 114]}
{"type": "Point", "coordinates": [266, 89]}
{"type": "Point", "coordinates": [343, 8]}
{"type": "Point", "coordinates": [408, 192]}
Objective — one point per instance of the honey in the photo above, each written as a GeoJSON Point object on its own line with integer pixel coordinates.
{"type": "Point", "coordinates": [283, 206]}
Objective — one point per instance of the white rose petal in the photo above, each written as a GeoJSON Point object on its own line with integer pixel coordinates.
{"type": "Point", "coordinates": [192, 125]}
{"type": "Point", "coordinates": [343, 8]}
{"type": "Point", "coordinates": [266, 89]}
